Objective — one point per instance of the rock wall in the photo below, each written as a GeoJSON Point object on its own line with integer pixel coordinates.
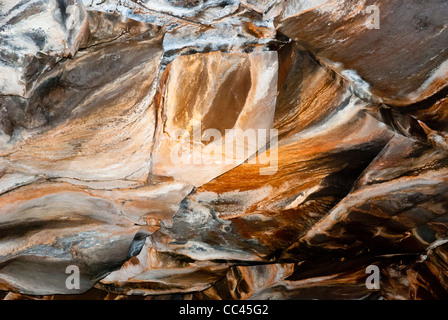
{"type": "Point", "coordinates": [223, 149]}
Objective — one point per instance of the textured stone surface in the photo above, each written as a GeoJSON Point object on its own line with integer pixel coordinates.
{"type": "Point", "coordinates": [352, 171]}
{"type": "Point", "coordinates": [402, 62]}
{"type": "Point", "coordinates": [226, 93]}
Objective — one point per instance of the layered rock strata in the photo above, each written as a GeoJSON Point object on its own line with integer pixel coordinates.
{"type": "Point", "coordinates": [115, 124]}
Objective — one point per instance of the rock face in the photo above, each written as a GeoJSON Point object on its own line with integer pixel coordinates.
{"type": "Point", "coordinates": [399, 59]}
{"type": "Point", "coordinates": [223, 149]}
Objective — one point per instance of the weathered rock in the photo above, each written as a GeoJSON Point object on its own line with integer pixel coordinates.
{"type": "Point", "coordinates": [35, 35]}
{"type": "Point", "coordinates": [207, 100]}
{"type": "Point", "coordinates": [54, 227]}
{"type": "Point", "coordinates": [155, 273]}
{"type": "Point", "coordinates": [394, 51]}
{"type": "Point", "coordinates": [116, 119]}
{"type": "Point", "coordinates": [231, 216]}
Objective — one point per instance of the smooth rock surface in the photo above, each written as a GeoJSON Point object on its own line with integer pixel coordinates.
{"type": "Point", "coordinates": [402, 62]}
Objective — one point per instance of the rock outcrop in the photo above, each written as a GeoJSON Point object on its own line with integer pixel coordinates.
{"type": "Point", "coordinates": [223, 149]}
